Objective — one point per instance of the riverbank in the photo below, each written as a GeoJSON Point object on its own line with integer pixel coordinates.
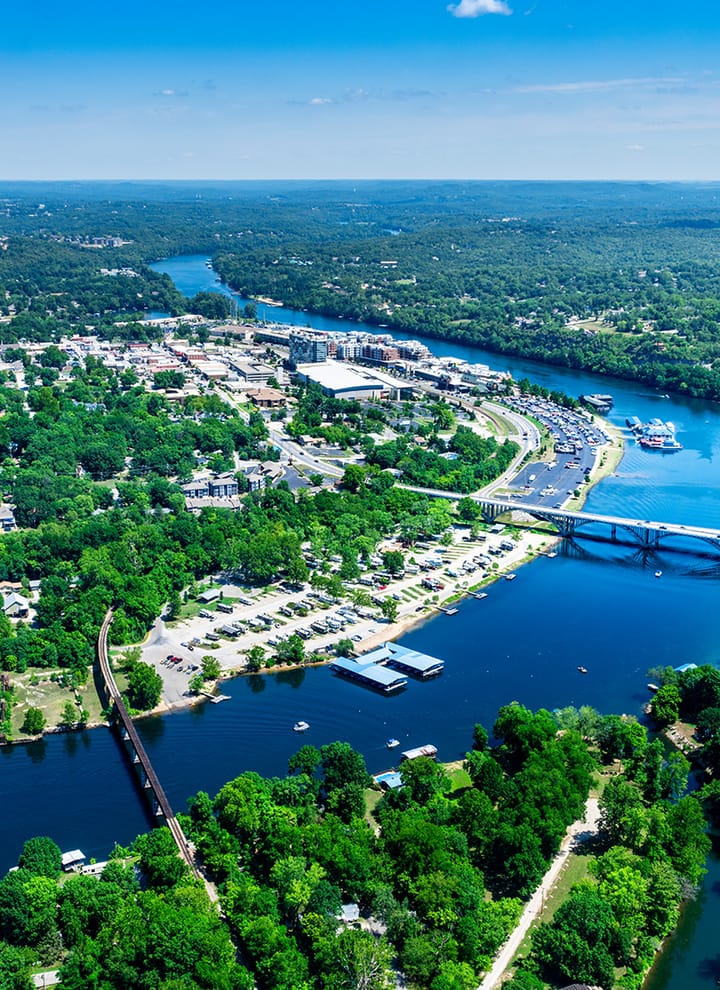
{"type": "Point", "coordinates": [416, 606]}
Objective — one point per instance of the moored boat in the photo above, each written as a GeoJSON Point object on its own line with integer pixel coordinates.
{"type": "Point", "coordinates": [656, 435]}
{"type": "Point", "coordinates": [392, 743]}
{"type": "Point", "coordinates": [301, 726]}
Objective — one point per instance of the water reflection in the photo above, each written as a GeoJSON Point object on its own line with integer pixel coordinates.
{"type": "Point", "coordinates": [293, 677]}
{"type": "Point", "coordinates": [256, 683]}
{"type": "Point", "coordinates": [153, 729]}
{"type": "Point", "coordinates": [37, 750]}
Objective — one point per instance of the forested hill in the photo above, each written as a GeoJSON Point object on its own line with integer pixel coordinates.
{"type": "Point", "coordinates": [616, 278]}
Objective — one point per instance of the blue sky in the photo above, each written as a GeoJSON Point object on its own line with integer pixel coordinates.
{"type": "Point", "coordinates": [360, 89]}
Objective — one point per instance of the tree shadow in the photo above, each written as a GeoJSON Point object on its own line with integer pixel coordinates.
{"type": "Point", "coordinates": [256, 683]}
{"type": "Point", "coordinates": [709, 969]}
{"type": "Point", "coordinates": [37, 751]}
{"type": "Point", "coordinates": [293, 677]}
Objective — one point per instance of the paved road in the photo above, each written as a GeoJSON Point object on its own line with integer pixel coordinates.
{"type": "Point", "coordinates": [579, 831]}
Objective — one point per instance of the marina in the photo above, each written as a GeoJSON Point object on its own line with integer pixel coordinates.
{"type": "Point", "coordinates": [63, 777]}
{"type": "Point", "coordinates": [655, 434]}
{"type": "Point", "coordinates": [385, 667]}
{"type": "Point", "coordinates": [599, 402]}
{"type": "Point", "coordinates": [369, 674]}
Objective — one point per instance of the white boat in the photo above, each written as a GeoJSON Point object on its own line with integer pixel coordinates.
{"type": "Point", "coordinates": [392, 743]}
{"type": "Point", "coordinates": [301, 726]}
{"type": "Point", "coordinates": [658, 573]}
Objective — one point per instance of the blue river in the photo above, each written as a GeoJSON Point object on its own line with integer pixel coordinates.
{"type": "Point", "coordinates": [598, 606]}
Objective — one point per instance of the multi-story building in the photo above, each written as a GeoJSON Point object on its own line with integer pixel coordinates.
{"type": "Point", "coordinates": [308, 348]}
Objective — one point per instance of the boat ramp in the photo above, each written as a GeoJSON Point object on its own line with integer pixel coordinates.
{"type": "Point", "coordinates": [386, 667]}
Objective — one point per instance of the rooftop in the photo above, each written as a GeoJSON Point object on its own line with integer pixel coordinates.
{"type": "Point", "coordinates": [369, 673]}
{"type": "Point", "coordinates": [337, 376]}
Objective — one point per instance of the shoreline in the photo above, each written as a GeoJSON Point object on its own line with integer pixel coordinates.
{"type": "Point", "coordinates": [530, 545]}
{"type": "Point", "coordinates": [525, 553]}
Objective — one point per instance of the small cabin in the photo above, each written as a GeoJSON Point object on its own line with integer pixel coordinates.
{"type": "Point", "coordinates": [73, 860]}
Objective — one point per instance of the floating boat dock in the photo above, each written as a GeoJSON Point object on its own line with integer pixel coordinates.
{"type": "Point", "coordinates": [598, 403]}
{"type": "Point", "coordinates": [446, 611]}
{"type": "Point", "coordinates": [369, 673]}
{"type": "Point", "coordinates": [408, 661]}
{"type": "Point", "coordinates": [385, 668]}
{"type": "Point", "coordinates": [428, 750]}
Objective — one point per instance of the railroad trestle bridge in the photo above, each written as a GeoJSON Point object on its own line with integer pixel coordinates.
{"type": "Point", "coordinates": [149, 780]}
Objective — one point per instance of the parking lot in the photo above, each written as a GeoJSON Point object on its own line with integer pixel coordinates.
{"type": "Point", "coordinates": [253, 617]}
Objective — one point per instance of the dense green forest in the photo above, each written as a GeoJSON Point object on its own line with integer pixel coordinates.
{"type": "Point", "coordinates": [502, 265]}
{"type": "Point", "coordinates": [437, 872]}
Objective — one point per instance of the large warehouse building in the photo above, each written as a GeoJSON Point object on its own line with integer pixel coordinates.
{"type": "Point", "coordinates": [344, 382]}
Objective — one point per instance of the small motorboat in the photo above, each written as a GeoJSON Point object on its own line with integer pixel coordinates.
{"type": "Point", "coordinates": [582, 670]}
{"type": "Point", "coordinates": [392, 743]}
{"type": "Point", "coordinates": [658, 573]}
{"type": "Point", "coordinates": [301, 726]}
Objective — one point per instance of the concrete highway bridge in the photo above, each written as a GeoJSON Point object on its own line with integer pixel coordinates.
{"type": "Point", "coordinates": [138, 754]}
{"type": "Point", "coordinates": [643, 533]}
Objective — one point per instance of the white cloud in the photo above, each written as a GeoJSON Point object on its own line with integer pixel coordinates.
{"type": "Point", "coordinates": [319, 101]}
{"type": "Point", "coordinates": [635, 147]}
{"type": "Point", "coordinates": [595, 86]}
{"type": "Point", "coordinates": [167, 92]}
{"type": "Point", "coordinates": [477, 8]}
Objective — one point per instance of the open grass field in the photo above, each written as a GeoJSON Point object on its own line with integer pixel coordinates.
{"type": "Point", "coordinates": [36, 689]}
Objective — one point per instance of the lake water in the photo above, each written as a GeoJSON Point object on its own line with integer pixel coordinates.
{"type": "Point", "coordinates": [595, 605]}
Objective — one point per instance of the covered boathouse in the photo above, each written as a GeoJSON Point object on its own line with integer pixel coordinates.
{"type": "Point", "coordinates": [408, 661]}
{"type": "Point", "coordinates": [367, 672]}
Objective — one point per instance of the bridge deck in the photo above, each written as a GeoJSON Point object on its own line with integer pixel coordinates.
{"type": "Point", "coordinates": [569, 522]}
{"type": "Point", "coordinates": [128, 725]}
{"type": "Point", "coordinates": [674, 529]}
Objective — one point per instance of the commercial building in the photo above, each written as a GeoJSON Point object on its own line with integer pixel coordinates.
{"type": "Point", "coordinates": [253, 372]}
{"type": "Point", "coordinates": [308, 348]}
{"type": "Point", "coordinates": [266, 398]}
{"type": "Point", "coordinates": [344, 382]}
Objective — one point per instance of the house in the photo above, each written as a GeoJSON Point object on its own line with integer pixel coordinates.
{"type": "Point", "coordinates": [7, 519]}
{"type": "Point", "coordinates": [349, 913]}
{"type": "Point", "coordinates": [15, 606]}
{"type": "Point", "coordinates": [73, 860]}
